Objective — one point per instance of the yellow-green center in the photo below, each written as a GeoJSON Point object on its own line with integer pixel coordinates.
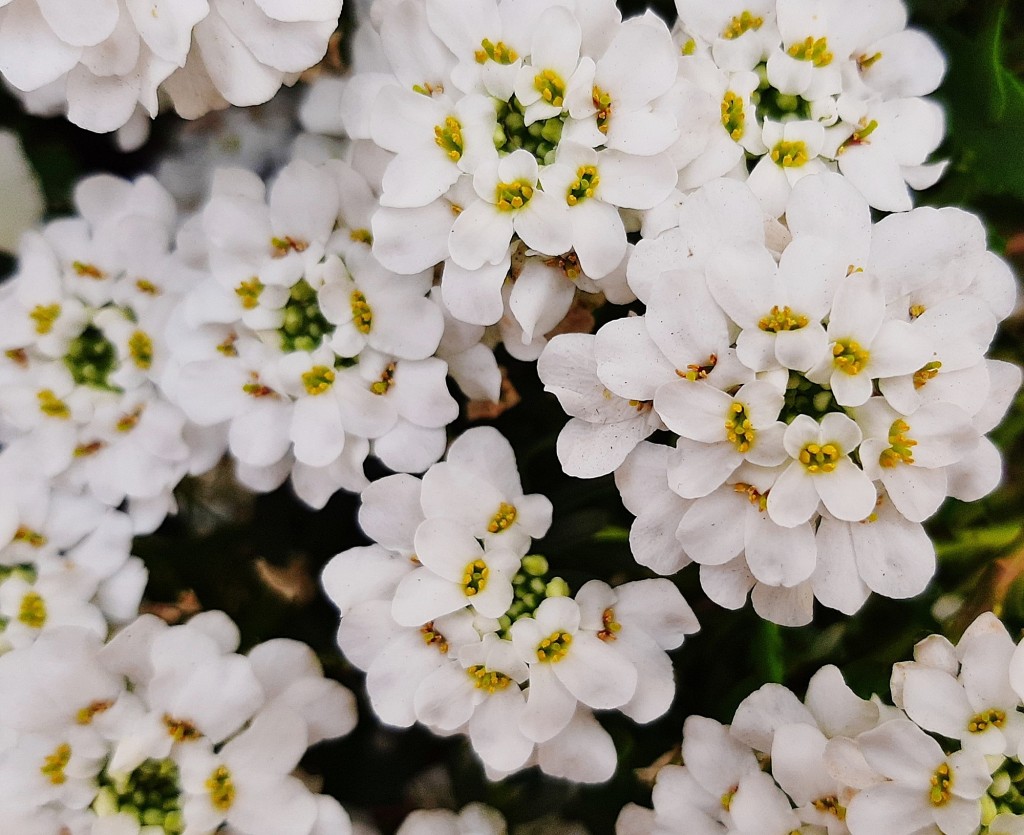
{"type": "Point", "coordinates": [812, 49]}
{"type": "Point", "coordinates": [449, 138]}
{"type": "Point", "coordinates": [820, 458]}
{"type": "Point", "coordinates": [901, 448]}
{"type": "Point", "coordinates": [789, 154]}
{"type": "Point", "coordinates": [733, 116]}
{"type": "Point", "coordinates": [512, 196]}
{"type": "Point", "coordinates": [849, 357]}
{"type": "Point", "coordinates": [221, 788]}
{"type": "Point", "coordinates": [583, 186]}
{"type": "Point", "coordinates": [738, 428]}
{"type": "Point", "coordinates": [489, 680]}
{"type": "Point", "coordinates": [941, 786]}
{"type": "Point", "coordinates": [503, 518]}
{"type": "Point", "coordinates": [550, 86]}
{"type": "Point", "coordinates": [553, 648]}
{"type": "Point", "coordinates": [782, 319]}
{"type": "Point", "coordinates": [497, 52]}
{"type": "Point", "coordinates": [740, 24]}
{"type": "Point", "coordinates": [32, 611]}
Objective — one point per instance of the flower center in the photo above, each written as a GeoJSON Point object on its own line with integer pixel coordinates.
{"type": "Point", "coordinates": [140, 346]}
{"type": "Point", "coordinates": [812, 49]}
{"type": "Point", "coordinates": [91, 711]}
{"type": "Point", "coordinates": [865, 61]}
{"type": "Point", "coordinates": [583, 186]}
{"type": "Point", "coordinates": [550, 86]}
{"type": "Point", "coordinates": [433, 638]}
{"type": "Point", "coordinates": [697, 371]}
{"type": "Point", "coordinates": [925, 373]}
{"type": "Point", "coordinates": [497, 52]}
{"type": "Point", "coordinates": [146, 286]}
{"type": "Point", "coordinates": [819, 458]}
{"type": "Point", "coordinates": [849, 357]}
{"type": "Point", "coordinates": [503, 518]}
{"type": "Point", "coordinates": [181, 730]}
{"type": "Point", "coordinates": [859, 136]}
{"type": "Point", "coordinates": [282, 246]}
{"type": "Point", "coordinates": [830, 805]}
{"type": "Point", "coordinates": [44, 315]}
{"type": "Point", "coordinates": [85, 270]}
{"type": "Point", "coordinates": [941, 786]}
{"type": "Point", "coordinates": [30, 537]}
{"type": "Point", "coordinates": [609, 626]}
{"type": "Point", "coordinates": [738, 427]}
{"type": "Point", "coordinates": [901, 449]}
{"type": "Point", "coordinates": [553, 648]}
{"type": "Point", "coordinates": [603, 103]}
{"type": "Point", "coordinates": [91, 358]}
{"type": "Point", "coordinates": [52, 406]}
{"type": "Point", "coordinates": [474, 577]}
{"type": "Point", "coordinates": [318, 379]}
{"type": "Point", "coordinates": [489, 680]}
{"type": "Point", "coordinates": [126, 423]}
{"type": "Point", "coordinates": [782, 319]}
{"type": "Point", "coordinates": [741, 24]}
{"type": "Point", "coordinates": [733, 116]}
{"type": "Point", "coordinates": [151, 794]}
{"type": "Point", "coordinates": [981, 722]}
{"type": "Point", "coordinates": [221, 788]}
{"type": "Point", "coordinates": [32, 611]}
{"type": "Point", "coordinates": [54, 764]}
{"type": "Point", "coordinates": [754, 496]}
{"type": "Point", "coordinates": [362, 315]}
{"type": "Point", "coordinates": [386, 381]}
{"type": "Point", "coordinates": [449, 138]}
{"type": "Point", "coordinates": [512, 196]}
{"type": "Point", "coordinates": [249, 292]}
{"type": "Point", "coordinates": [304, 326]}
{"type": "Point", "coordinates": [790, 154]}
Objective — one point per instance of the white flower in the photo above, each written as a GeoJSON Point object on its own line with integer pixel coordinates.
{"type": "Point", "coordinates": [821, 471]}
{"type": "Point", "coordinates": [24, 198]}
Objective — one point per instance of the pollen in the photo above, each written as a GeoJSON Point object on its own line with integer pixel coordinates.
{"type": "Point", "coordinates": [610, 627]}
{"type": "Point", "coordinates": [603, 103]}
{"type": "Point", "coordinates": [140, 346]}
{"type": "Point", "coordinates": [993, 717]}
{"type": "Point", "coordinates": [859, 136]}
{"type": "Point", "coordinates": [18, 356]}
{"type": "Point", "coordinates": [812, 49]}
{"type": "Point", "coordinates": [738, 428]}
{"type": "Point", "coordinates": [489, 680]}
{"type": "Point", "coordinates": [512, 196]}
{"type": "Point", "coordinates": [790, 154]}
{"type": "Point", "coordinates": [85, 450]}
{"type": "Point", "coordinates": [433, 638]}
{"type": "Point", "coordinates": [254, 388]}
{"type": "Point", "coordinates": [865, 62]}
{"type": "Point", "coordinates": [554, 648]}
{"type": "Point", "coordinates": [221, 788]}
{"type": "Point", "coordinates": [362, 236]}
{"type": "Point", "coordinates": [733, 116]}
{"type": "Point", "coordinates": [318, 379]}
{"type": "Point", "coordinates": [925, 373]}
{"type": "Point", "coordinates": [849, 357]}
{"type": "Point", "coordinates": [916, 310]}
{"type": "Point", "coordinates": [54, 764]}
{"type": "Point", "coordinates": [498, 52]}
{"type": "Point", "coordinates": [227, 347]}
{"type": "Point", "coordinates": [128, 422]}
{"type": "Point", "coordinates": [474, 577]}
{"type": "Point", "coordinates": [550, 86]}
{"type": "Point", "coordinates": [52, 406]}
{"type": "Point", "coordinates": [583, 186]}
{"type": "Point", "coordinates": [29, 537]}
{"type": "Point", "coordinates": [386, 381]}
{"type": "Point", "coordinates": [503, 518]}
{"type": "Point", "coordinates": [754, 496]}
{"type": "Point", "coordinates": [901, 449]}
{"type": "Point", "coordinates": [148, 287]}
{"type": "Point", "coordinates": [44, 315]}
{"type": "Point", "coordinates": [88, 270]}
{"type": "Point", "coordinates": [181, 730]}
{"type": "Point", "coordinates": [362, 315]}
{"type": "Point", "coordinates": [726, 799]}
{"type": "Point", "coordinates": [818, 458]}
{"type": "Point", "coordinates": [941, 786]}
{"type": "Point", "coordinates": [91, 711]}
{"type": "Point", "coordinates": [782, 319]}
{"type": "Point", "coordinates": [699, 371]}
{"type": "Point", "coordinates": [282, 246]}
{"type": "Point", "coordinates": [249, 292]}
{"type": "Point", "coordinates": [830, 805]}
{"type": "Point", "coordinates": [449, 138]}
{"type": "Point", "coordinates": [32, 611]}
{"type": "Point", "coordinates": [428, 89]}
{"type": "Point", "coordinates": [741, 24]}
{"type": "Point", "coordinates": [569, 264]}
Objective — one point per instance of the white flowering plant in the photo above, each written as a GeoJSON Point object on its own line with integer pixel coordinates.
{"type": "Point", "coordinates": [511, 416]}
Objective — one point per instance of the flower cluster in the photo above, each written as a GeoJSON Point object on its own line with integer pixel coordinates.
{"type": "Point", "coordinates": [797, 87]}
{"type": "Point", "coordinates": [516, 134]}
{"type": "Point", "coordinates": [300, 344]}
{"type": "Point", "coordinates": [459, 628]}
{"type": "Point", "coordinates": [827, 382]}
{"type": "Point", "coordinates": [164, 729]}
{"type": "Point", "coordinates": [107, 62]}
{"type": "Point", "coordinates": [946, 759]}
{"type": "Point", "coordinates": [83, 344]}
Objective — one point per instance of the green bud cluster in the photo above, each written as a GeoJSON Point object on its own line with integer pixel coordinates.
{"type": "Point", "coordinates": [91, 358]}
{"type": "Point", "coordinates": [531, 588]}
{"type": "Point", "coordinates": [1005, 794]}
{"type": "Point", "coordinates": [540, 138]}
{"type": "Point", "coordinates": [304, 326]}
{"type": "Point", "coordinates": [779, 107]}
{"type": "Point", "coordinates": [806, 398]}
{"type": "Point", "coordinates": [151, 794]}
